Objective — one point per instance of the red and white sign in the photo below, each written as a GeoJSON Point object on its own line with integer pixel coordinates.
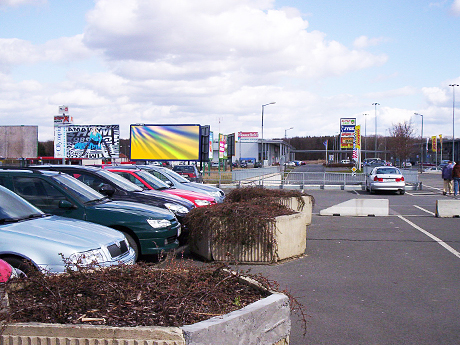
{"type": "Point", "coordinates": [63, 120]}
{"type": "Point", "coordinates": [248, 136]}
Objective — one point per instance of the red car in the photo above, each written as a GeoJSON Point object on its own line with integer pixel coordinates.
{"type": "Point", "coordinates": [145, 179]}
{"type": "Point", "coordinates": [6, 271]}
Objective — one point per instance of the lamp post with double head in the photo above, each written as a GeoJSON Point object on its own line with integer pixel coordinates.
{"type": "Point", "coordinates": [263, 147]}
{"type": "Point", "coordinates": [453, 120]}
{"type": "Point", "coordinates": [421, 144]}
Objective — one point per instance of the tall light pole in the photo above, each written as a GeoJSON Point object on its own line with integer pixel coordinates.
{"type": "Point", "coordinates": [453, 121]}
{"type": "Point", "coordinates": [365, 135]}
{"type": "Point", "coordinates": [375, 107]}
{"type": "Point", "coordinates": [421, 144]}
{"type": "Point", "coordinates": [285, 139]}
{"type": "Point", "coordinates": [263, 151]}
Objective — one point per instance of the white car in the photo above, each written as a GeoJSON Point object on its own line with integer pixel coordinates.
{"type": "Point", "coordinates": [385, 178]}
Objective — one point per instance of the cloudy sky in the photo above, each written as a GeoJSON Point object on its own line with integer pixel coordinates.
{"type": "Point", "coordinates": [216, 63]}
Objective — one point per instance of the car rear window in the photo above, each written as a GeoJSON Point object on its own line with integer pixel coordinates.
{"type": "Point", "coordinates": [388, 171]}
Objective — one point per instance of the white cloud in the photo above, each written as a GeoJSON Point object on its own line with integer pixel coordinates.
{"type": "Point", "coordinates": [364, 41]}
{"type": "Point", "coordinates": [202, 38]}
{"type": "Point", "coordinates": [456, 7]}
{"type": "Point", "coordinates": [15, 52]}
{"type": "Point", "coordinates": [4, 3]}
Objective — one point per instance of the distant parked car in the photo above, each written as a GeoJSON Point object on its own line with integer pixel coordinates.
{"type": "Point", "coordinates": [345, 161]}
{"type": "Point", "coordinates": [31, 239]}
{"type": "Point", "coordinates": [385, 178]}
{"type": "Point", "coordinates": [407, 165]}
{"type": "Point", "coordinates": [190, 172]}
{"type": "Point", "coordinates": [432, 169]}
{"type": "Point", "coordinates": [149, 230]}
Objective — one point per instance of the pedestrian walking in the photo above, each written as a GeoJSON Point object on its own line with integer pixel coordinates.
{"type": "Point", "coordinates": [456, 177]}
{"type": "Point", "coordinates": [447, 177]}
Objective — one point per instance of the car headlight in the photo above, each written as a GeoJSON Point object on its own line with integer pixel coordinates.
{"type": "Point", "coordinates": [86, 258]}
{"type": "Point", "coordinates": [214, 194]}
{"type": "Point", "coordinates": [176, 208]}
{"type": "Point", "coordinates": [159, 223]}
{"type": "Point", "coordinates": [201, 202]}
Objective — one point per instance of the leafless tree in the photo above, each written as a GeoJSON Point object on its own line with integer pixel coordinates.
{"type": "Point", "coordinates": [402, 142]}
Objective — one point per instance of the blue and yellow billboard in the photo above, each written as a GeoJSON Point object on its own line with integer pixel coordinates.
{"type": "Point", "coordinates": [165, 142]}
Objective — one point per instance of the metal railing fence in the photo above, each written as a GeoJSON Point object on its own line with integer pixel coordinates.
{"type": "Point", "coordinates": [276, 177]}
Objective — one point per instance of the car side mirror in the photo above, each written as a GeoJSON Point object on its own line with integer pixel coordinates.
{"type": "Point", "coordinates": [66, 204]}
{"type": "Point", "coordinates": [107, 190]}
{"type": "Point", "coordinates": [169, 183]}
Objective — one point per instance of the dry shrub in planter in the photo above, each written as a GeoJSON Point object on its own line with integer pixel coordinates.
{"type": "Point", "coordinates": [247, 217]}
{"type": "Point", "coordinates": [137, 295]}
{"type": "Point", "coordinates": [244, 222]}
{"type": "Point", "coordinates": [268, 195]}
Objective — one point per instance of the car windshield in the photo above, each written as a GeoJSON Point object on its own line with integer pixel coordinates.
{"type": "Point", "coordinates": [153, 181]}
{"type": "Point", "coordinates": [13, 207]}
{"type": "Point", "coordinates": [393, 171]}
{"type": "Point", "coordinates": [120, 181]}
{"type": "Point", "coordinates": [78, 189]}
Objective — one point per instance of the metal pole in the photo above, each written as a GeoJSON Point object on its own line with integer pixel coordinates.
{"type": "Point", "coordinates": [365, 135]}
{"type": "Point", "coordinates": [375, 108]}
{"type": "Point", "coordinates": [421, 144]}
{"type": "Point", "coordinates": [263, 148]}
{"type": "Point", "coordinates": [453, 121]}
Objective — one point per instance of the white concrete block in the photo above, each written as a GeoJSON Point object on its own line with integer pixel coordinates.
{"type": "Point", "coordinates": [359, 208]}
{"type": "Point", "coordinates": [447, 208]}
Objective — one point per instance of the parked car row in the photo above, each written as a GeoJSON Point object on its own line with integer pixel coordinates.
{"type": "Point", "coordinates": [90, 215]}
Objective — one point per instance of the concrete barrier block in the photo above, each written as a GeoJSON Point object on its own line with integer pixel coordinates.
{"type": "Point", "coordinates": [263, 322]}
{"type": "Point", "coordinates": [359, 208]}
{"type": "Point", "coordinates": [447, 208]}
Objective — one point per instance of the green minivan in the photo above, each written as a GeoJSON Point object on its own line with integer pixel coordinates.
{"type": "Point", "coordinates": [149, 230]}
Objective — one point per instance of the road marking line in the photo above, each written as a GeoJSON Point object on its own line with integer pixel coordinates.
{"type": "Point", "coordinates": [421, 208]}
{"type": "Point", "coordinates": [433, 237]}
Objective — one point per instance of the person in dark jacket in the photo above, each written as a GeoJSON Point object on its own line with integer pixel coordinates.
{"type": "Point", "coordinates": [447, 177]}
{"type": "Point", "coordinates": [456, 177]}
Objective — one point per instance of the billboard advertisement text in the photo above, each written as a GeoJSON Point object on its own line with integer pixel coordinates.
{"type": "Point", "coordinates": [91, 141]}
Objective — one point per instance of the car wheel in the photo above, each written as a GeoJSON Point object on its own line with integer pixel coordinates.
{"type": "Point", "coordinates": [402, 192]}
{"type": "Point", "coordinates": [23, 266]}
{"type": "Point", "coordinates": [133, 244]}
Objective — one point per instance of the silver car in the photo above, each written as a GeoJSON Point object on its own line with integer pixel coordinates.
{"type": "Point", "coordinates": [385, 178]}
{"type": "Point", "coordinates": [30, 236]}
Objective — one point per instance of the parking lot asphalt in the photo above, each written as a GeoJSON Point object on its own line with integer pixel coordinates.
{"type": "Point", "coordinates": [376, 280]}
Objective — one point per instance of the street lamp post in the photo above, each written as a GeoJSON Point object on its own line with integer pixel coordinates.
{"type": "Point", "coordinates": [285, 139]}
{"type": "Point", "coordinates": [375, 147]}
{"type": "Point", "coordinates": [453, 121]}
{"type": "Point", "coordinates": [365, 135]}
{"type": "Point", "coordinates": [421, 144]}
{"type": "Point", "coordinates": [263, 148]}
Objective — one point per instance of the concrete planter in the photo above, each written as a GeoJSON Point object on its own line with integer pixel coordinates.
{"type": "Point", "coordinates": [266, 321]}
{"type": "Point", "coordinates": [289, 233]}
